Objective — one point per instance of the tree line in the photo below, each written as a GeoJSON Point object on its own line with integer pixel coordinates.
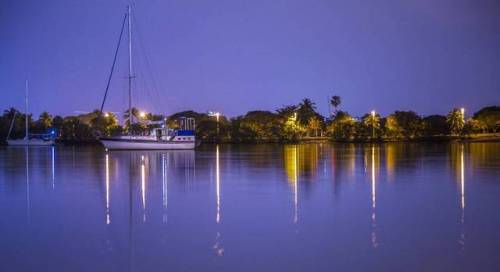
{"type": "Point", "coordinates": [286, 124]}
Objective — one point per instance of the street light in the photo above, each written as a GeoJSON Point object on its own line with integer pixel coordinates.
{"type": "Point", "coordinates": [142, 114]}
{"type": "Point", "coordinates": [106, 114]}
{"type": "Point", "coordinates": [217, 114]}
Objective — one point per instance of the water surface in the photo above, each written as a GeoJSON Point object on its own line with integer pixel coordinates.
{"type": "Point", "coordinates": [307, 207]}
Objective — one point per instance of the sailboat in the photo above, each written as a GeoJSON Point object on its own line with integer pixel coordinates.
{"type": "Point", "coordinates": [29, 140]}
{"type": "Point", "coordinates": [158, 138]}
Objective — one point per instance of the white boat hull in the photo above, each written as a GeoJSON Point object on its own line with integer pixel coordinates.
{"type": "Point", "coordinates": [118, 144]}
{"type": "Point", "coordinates": [30, 142]}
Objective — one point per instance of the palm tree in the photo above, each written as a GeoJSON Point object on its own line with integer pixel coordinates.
{"type": "Point", "coordinates": [305, 111]}
{"type": "Point", "coordinates": [455, 120]}
{"type": "Point", "coordinates": [372, 121]}
{"type": "Point", "coordinates": [306, 103]}
{"type": "Point", "coordinates": [287, 111]}
{"type": "Point", "coordinates": [335, 102]}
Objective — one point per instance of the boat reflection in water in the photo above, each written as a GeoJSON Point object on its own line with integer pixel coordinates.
{"type": "Point", "coordinates": [139, 168]}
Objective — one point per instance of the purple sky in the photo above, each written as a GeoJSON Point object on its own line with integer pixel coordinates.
{"type": "Point", "coordinates": [235, 56]}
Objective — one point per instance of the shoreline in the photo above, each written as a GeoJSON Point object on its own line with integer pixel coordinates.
{"type": "Point", "coordinates": [476, 138]}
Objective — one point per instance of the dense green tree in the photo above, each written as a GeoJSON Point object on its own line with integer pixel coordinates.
{"type": "Point", "coordinates": [489, 119]}
{"type": "Point", "coordinates": [104, 124]}
{"type": "Point", "coordinates": [435, 125]}
{"type": "Point", "coordinates": [45, 120]}
{"type": "Point", "coordinates": [5, 123]}
{"type": "Point", "coordinates": [57, 123]}
{"type": "Point", "coordinates": [314, 125]}
{"type": "Point", "coordinates": [343, 127]}
{"type": "Point", "coordinates": [43, 123]}
{"type": "Point", "coordinates": [73, 129]}
{"type": "Point", "coordinates": [208, 130]}
{"type": "Point", "coordinates": [18, 123]}
{"type": "Point", "coordinates": [403, 124]}
{"type": "Point", "coordinates": [261, 126]}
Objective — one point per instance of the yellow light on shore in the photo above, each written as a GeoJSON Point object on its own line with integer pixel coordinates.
{"type": "Point", "coordinates": [106, 114]}
{"type": "Point", "coordinates": [373, 113]}
{"type": "Point", "coordinates": [142, 114]}
{"type": "Point", "coordinates": [217, 114]}
{"type": "Point", "coordinates": [462, 110]}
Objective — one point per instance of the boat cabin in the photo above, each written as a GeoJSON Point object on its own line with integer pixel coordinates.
{"type": "Point", "coordinates": [185, 132]}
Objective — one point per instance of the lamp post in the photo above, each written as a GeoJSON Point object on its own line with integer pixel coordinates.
{"type": "Point", "coordinates": [373, 124]}
{"type": "Point", "coordinates": [217, 114]}
{"type": "Point", "coordinates": [462, 113]}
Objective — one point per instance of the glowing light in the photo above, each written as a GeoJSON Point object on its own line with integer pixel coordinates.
{"type": "Point", "coordinates": [462, 177]}
{"type": "Point", "coordinates": [374, 192]}
{"type": "Point", "coordinates": [28, 204]}
{"type": "Point", "coordinates": [142, 114]}
{"type": "Point", "coordinates": [108, 218]}
{"type": "Point", "coordinates": [462, 111]}
{"type": "Point", "coordinates": [292, 166]}
{"type": "Point", "coordinates": [217, 183]}
{"type": "Point", "coordinates": [373, 113]}
{"type": "Point", "coordinates": [217, 247]}
{"type": "Point", "coordinates": [165, 185]}
{"type": "Point", "coordinates": [461, 240]}
{"type": "Point", "coordinates": [295, 185]}
{"type": "Point", "coordinates": [143, 188]}
{"type": "Point", "coordinates": [374, 201]}
{"type": "Point", "coordinates": [106, 114]}
{"type": "Point", "coordinates": [53, 168]}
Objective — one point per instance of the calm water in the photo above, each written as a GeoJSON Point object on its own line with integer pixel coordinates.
{"type": "Point", "coordinates": [314, 207]}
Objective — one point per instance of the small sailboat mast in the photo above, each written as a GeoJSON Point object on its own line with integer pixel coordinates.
{"type": "Point", "coordinates": [131, 117]}
{"type": "Point", "coordinates": [45, 140]}
{"type": "Point", "coordinates": [26, 116]}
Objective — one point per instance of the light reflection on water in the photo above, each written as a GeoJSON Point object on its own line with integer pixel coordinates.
{"type": "Point", "coordinates": [253, 207]}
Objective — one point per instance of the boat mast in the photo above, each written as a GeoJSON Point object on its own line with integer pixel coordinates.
{"type": "Point", "coordinates": [131, 117]}
{"type": "Point", "coordinates": [26, 116]}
